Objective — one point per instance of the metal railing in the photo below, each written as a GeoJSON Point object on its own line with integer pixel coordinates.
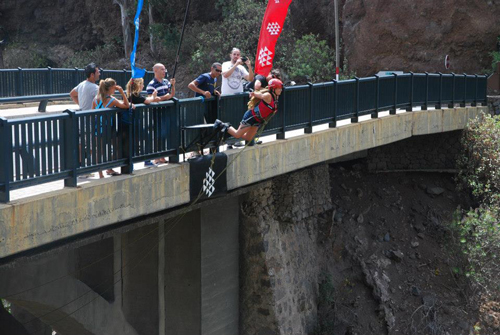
{"type": "Point", "coordinates": [55, 147]}
{"type": "Point", "coordinates": [30, 82]}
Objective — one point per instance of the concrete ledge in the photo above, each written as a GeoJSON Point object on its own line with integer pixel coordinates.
{"type": "Point", "coordinates": [268, 160]}
{"type": "Point", "coordinates": [42, 219]}
{"type": "Point", "coordinates": [35, 221]}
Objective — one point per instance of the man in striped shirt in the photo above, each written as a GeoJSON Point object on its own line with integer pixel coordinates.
{"type": "Point", "coordinates": [165, 91]}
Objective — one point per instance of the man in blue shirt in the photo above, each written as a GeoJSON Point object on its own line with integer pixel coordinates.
{"type": "Point", "coordinates": [204, 85]}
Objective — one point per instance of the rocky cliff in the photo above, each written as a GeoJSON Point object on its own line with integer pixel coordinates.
{"type": "Point", "coordinates": [403, 35]}
{"type": "Point", "coordinates": [409, 35]}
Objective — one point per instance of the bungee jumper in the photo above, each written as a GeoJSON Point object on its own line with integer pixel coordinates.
{"type": "Point", "coordinates": [262, 106]}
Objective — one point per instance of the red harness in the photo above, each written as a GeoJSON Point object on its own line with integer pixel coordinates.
{"type": "Point", "coordinates": [265, 109]}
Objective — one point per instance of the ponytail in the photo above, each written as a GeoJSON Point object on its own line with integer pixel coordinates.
{"type": "Point", "coordinates": [104, 87]}
{"type": "Point", "coordinates": [255, 101]}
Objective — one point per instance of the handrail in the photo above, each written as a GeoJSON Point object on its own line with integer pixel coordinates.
{"type": "Point", "coordinates": [62, 146]}
{"type": "Point", "coordinates": [31, 82]}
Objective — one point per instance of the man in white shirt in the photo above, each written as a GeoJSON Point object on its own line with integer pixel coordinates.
{"type": "Point", "coordinates": [85, 92]}
{"type": "Point", "coordinates": [83, 95]}
{"type": "Point", "coordinates": [233, 73]}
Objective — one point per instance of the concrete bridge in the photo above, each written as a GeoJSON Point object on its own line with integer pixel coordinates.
{"type": "Point", "coordinates": [178, 273]}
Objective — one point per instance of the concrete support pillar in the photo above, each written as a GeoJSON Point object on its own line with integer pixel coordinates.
{"type": "Point", "coordinates": [201, 272]}
{"type": "Point", "coordinates": [140, 279]}
{"type": "Point", "coordinates": [161, 279]}
{"type": "Point", "coordinates": [220, 268]}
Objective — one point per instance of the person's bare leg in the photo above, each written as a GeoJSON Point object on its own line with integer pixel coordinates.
{"type": "Point", "coordinates": [250, 134]}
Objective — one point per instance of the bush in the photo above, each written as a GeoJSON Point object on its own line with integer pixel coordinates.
{"type": "Point", "coordinates": [478, 229]}
{"type": "Point", "coordinates": [108, 53]}
{"type": "Point", "coordinates": [240, 28]}
{"type": "Point", "coordinates": [479, 165]}
{"type": "Point", "coordinates": [313, 58]}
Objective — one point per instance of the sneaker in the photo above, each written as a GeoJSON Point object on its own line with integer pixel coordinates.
{"type": "Point", "coordinates": [217, 124]}
{"type": "Point", "coordinates": [239, 144]}
{"type": "Point", "coordinates": [225, 127]}
{"type": "Point", "coordinates": [85, 176]}
{"type": "Point", "coordinates": [150, 164]}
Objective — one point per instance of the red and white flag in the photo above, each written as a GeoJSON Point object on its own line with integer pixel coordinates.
{"type": "Point", "coordinates": [273, 22]}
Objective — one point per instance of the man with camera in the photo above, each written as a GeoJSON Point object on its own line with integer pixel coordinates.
{"type": "Point", "coordinates": [233, 73]}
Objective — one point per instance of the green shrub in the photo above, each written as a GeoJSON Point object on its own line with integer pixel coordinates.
{"type": "Point", "coordinates": [313, 58]}
{"type": "Point", "coordinates": [479, 165]}
{"type": "Point", "coordinates": [104, 54]}
{"type": "Point", "coordinates": [478, 229]}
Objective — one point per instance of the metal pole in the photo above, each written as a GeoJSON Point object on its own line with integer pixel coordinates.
{"type": "Point", "coordinates": [182, 36]}
{"type": "Point", "coordinates": [337, 56]}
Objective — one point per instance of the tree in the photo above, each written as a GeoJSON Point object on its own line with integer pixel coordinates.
{"type": "Point", "coordinates": [152, 41]}
{"type": "Point", "coordinates": [126, 24]}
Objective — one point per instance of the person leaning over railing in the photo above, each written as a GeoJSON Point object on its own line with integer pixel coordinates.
{"type": "Point", "coordinates": [165, 91]}
{"type": "Point", "coordinates": [134, 89]}
{"type": "Point", "coordinates": [84, 93]}
{"type": "Point", "coordinates": [104, 99]}
{"type": "Point", "coordinates": [204, 86]}
{"type": "Point", "coordinates": [262, 105]}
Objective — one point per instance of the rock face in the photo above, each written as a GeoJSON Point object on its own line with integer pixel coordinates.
{"type": "Point", "coordinates": [336, 250]}
{"type": "Point", "coordinates": [281, 258]}
{"type": "Point", "coordinates": [377, 35]}
{"type": "Point", "coordinates": [409, 35]}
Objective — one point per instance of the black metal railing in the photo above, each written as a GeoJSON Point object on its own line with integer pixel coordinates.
{"type": "Point", "coordinates": [55, 147]}
{"type": "Point", "coordinates": [43, 81]}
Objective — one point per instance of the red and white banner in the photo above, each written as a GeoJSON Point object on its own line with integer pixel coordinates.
{"type": "Point", "coordinates": [273, 22]}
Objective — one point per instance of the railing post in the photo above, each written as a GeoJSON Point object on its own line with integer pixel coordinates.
{"type": "Point", "coordinates": [124, 75]}
{"type": "Point", "coordinates": [333, 124]}
{"type": "Point", "coordinates": [309, 129]}
{"type": "Point", "coordinates": [6, 157]}
{"type": "Point", "coordinates": [355, 119]}
{"type": "Point", "coordinates": [75, 77]}
{"type": "Point", "coordinates": [410, 108]}
{"type": "Point", "coordinates": [474, 104]}
{"type": "Point", "coordinates": [393, 110]}
{"type": "Point", "coordinates": [281, 135]}
{"type": "Point", "coordinates": [377, 96]}
{"type": "Point", "coordinates": [20, 90]}
{"type": "Point", "coordinates": [465, 91]}
{"type": "Point", "coordinates": [424, 107]}
{"type": "Point", "coordinates": [175, 129]}
{"type": "Point", "coordinates": [49, 80]}
{"type": "Point", "coordinates": [484, 99]}
{"type": "Point", "coordinates": [127, 129]}
{"type": "Point", "coordinates": [452, 104]}
{"type": "Point", "coordinates": [438, 105]}
{"type": "Point", "coordinates": [71, 148]}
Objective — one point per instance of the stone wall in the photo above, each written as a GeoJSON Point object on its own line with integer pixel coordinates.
{"type": "Point", "coordinates": [494, 104]}
{"type": "Point", "coordinates": [281, 259]}
{"type": "Point", "coordinates": [438, 151]}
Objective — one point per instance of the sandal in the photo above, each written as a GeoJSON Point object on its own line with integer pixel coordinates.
{"type": "Point", "coordinates": [112, 172]}
{"type": "Point", "coordinates": [161, 161]}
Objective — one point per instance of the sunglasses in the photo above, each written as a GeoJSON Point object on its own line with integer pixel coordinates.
{"type": "Point", "coordinates": [220, 71]}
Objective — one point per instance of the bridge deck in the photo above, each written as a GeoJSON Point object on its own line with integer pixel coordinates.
{"type": "Point", "coordinates": [35, 220]}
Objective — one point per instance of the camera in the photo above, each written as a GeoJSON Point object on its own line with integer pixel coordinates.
{"type": "Point", "coordinates": [244, 58]}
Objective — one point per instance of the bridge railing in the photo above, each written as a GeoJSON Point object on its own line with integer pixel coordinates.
{"type": "Point", "coordinates": [61, 147]}
{"type": "Point", "coordinates": [42, 81]}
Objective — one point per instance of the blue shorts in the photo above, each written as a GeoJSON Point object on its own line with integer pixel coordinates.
{"type": "Point", "coordinates": [249, 120]}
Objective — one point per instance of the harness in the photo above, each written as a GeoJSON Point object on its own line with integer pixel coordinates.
{"type": "Point", "coordinates": [270, 107]}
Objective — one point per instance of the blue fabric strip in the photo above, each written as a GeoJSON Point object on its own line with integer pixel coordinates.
{"type": "Point", "coordinates": [136, 72]}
